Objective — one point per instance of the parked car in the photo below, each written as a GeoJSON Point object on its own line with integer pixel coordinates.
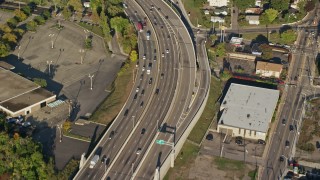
{"type": "Point", "coordinates": [318, 145]}
{"type": "Point", "coordinates": [239, 142]}
{"type": "Point", "coordinates": [260, 141]}
{"type": "Point", "coordinates": [281, 158]}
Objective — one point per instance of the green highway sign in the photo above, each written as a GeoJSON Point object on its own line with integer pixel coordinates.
{"type": "Point", "coordinates": [160, 141]}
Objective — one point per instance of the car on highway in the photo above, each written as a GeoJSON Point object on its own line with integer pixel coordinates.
{"type": "Point", "coordinates": [142, 92]}
{"type": "Point", "coordinates": [150, 65]}
{"type": "Point", "coordinates": [162, 55]}
{"type": "Point", "coordinates": [291, 127]}
{"type": "Point", "coordinates": [150, 80]}
{"type": "Point", "coordinates": [148, 35]}
{"type": "Point", "coordinates": [141, 76]}
{"type": "Point", "coordinates": [162, 75]}
{"type": "Point", "coordinates": [155, 51]}
{"type": "Point", "coordinates": [144, 57]}
{"type": "Point", "coordinates": [281, 159]}
{"type": "Point", "coordinates": [138, 151]}
{"type": "Point", "coordinates": [135, 96]}
{"type": "Point", "coordinates": [154, 58]}
{"type": "Point", "coordinates": [167, 17]}
{"type": "Point", "coordinates": [126, 112]}
{"type": "Point", "coordinates": [143, 130]}
{"type": "Point", "coordinates": [167, 51]}
{"type": "Point", "coordinates": [141, 104]}
{"type": "Point", "coordinates": [287, 144]}
{"type": "Point", "coordinates": [283, 121]}
{"type": "Point", "coordinates": [157, 91]}
{"type": "Point", "coordinates": [138, 88]}
{"type": "Point", "coordinates": [143, 68]}
{"type": "Point", "coordinates": [111, 134]}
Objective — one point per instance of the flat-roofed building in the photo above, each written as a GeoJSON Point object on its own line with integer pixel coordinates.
{"type": "Point", "coordinates": [268, 69]}
{"type": "Point", "coordinates": [247, 111]}
{"type": "Point", "coordinates": [20, 96]}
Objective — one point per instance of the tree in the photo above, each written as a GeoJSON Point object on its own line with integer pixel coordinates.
{"type": "Point", "coordinates": [114, 11]}
{"type": "Point", "coordinates": [243, 4]}
{"type": "Point", "coordinates": [76, 4]}
{"type": "Point", "coordinates": [213, 38]}
{"type": "Point", "coordinates": [31, 25]}
{"type": "Point", "coordinates": [133, 55]}
{"type": "Point", "coordinates": [225, 75]}
{"type": "Point", "coordinates": [309, 6]}
{"type": "Point", "coordinates": [95, 17]}
{"type": "Point", "coordinates": [271, 14]}
{"type": "Point", "coordinates": [12, 22]}
{"type": "Point", "coordinates": [66, 12]}
{"type": "Point", "coordinates": [46, 14]}
{"type": "Point", "coordinates": [41, 82]}
{"type": "Point", "coordinates": [39, 20]}
{"type": "Point", "coordinates": [288, 36]}
{"type": "Point", "coordinates": [88, 43]}
{"type": "Point", "coordinates": [115, 2]}
{"type": "Point", "coordinates": [4, 28]}
{"type": "Point", "coordinates": [220, 49]}
{"type": "Point", "coordinates": [119, 24]}
{"type": "Point", "coordinates": [10, 38]}
{"type": "Point", "coordinates": [26, 10]}
{"type": "Point", "coordinates": [20, 15]}
{"type": "Point", "coordinates": [4, 50]}
{"type": "Point", "coordinates": [66, 126]}
{"type": "Point", "coordinates": [105, 26]}
{"type": "Point", "coordinates": [280, 5]}
{"type": "Point", "coordinates": [266, 51]}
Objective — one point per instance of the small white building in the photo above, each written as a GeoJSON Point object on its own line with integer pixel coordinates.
{"type": "Point", "coordinates": [217, 19]}
{"type": "Point", "coordinates": [253, 19]}
{"type": "Point", "coordinates": [86, 4]}
{"type": "Point", "coordinates": [258, 3]}
{"type": "Point", "coordinates": [247, 111]}
{"type": "Point", "coordinates": [218, 3]}
{"type": "Point", "coordinates": [268, 69]}
{"type": "Point", "coordinates": [206, 12]}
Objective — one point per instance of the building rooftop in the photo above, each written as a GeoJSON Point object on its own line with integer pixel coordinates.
{"type": "Point", "coordinates": [248, 107]}
{"type": "Point", "coordinates": [236, 40]}
{"type": "Point", "coordinates": [13, 85]}
{"type": "Point", "coordinates": [268, 66]}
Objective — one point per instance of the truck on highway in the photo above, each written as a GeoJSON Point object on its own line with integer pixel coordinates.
{"type": "Point", "coordinates": [139, 26]}
{"type": "Point", "coordinates": [94, 161]}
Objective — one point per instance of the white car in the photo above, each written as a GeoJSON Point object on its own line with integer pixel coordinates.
{"type": "Point", "coordinates": [143, 68]}
{"type": "Point", "coordinates": [167, 51]}
{"type": "Point", "coordinates": [162, 55]}
{"type": "Point", "coordinates": [138, 88]}
{"type": "Point", "coordinates": [138, 151]}
{"type": "Point", "coordinates": [144, 57]}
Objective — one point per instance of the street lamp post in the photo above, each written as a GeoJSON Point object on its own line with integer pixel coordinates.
{"type": "Point", "coordinates": [51, 36]}
{"type": "Point", "coordinates": [91, 76]}
{"type": "Point", "coordinates": [163, 142]}
{"type": "Point", "coordinates": [81, 52]}
{"type": "Point", "coordinates": [18, 47]}
{"type": "Point", "coordinates": [49, 66]}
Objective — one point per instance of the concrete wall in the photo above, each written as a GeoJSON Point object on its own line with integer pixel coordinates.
{"type": "Point", "coordinates": [250, 134]}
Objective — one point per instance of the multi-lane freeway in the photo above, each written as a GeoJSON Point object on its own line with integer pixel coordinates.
{"type": "Point", "coordinates": [169, 96]}
{"type": "Point", "coordinates": [292, 107]}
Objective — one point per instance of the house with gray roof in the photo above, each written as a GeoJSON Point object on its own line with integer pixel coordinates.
{"type": "Point", "coordinates": [247, 111]}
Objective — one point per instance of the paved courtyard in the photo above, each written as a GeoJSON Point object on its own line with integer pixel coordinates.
{"type": "Point", "coordinates": [61, 65]}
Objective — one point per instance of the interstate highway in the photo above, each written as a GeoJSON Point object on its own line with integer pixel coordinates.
{"type": "Point", "coordinates": [123, 125]}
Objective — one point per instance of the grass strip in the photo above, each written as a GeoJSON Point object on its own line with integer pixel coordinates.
{"type": "Point", "coordinates": [95, 29]}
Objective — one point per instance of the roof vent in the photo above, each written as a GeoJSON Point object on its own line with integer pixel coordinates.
{"type": "Point", "coordinates": [248, 115]}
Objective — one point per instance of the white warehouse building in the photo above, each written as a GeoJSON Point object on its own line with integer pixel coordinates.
{"type": "Point", "coordinates": [247, 111]}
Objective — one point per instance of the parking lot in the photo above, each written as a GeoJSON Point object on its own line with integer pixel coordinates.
{"type": "Point", "coordinates": [249, 151]}
{"type": "Point", "coordinates": [61, 65]}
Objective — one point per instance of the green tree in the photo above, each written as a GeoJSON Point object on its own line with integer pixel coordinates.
{"type": "Point", "coordinates": [280, 5]}
{"type": "Point", "coordinates": [41, 82]}
{"type": "Point", "coordinates": [12, 22]}
{"type": "Point", "coordinates": [115, 2]}
{"type": "Point", "coordinates": [309, 6]}
{"type": "Point", "coordinates": [4, 51]}
{"type": "Point", "coordinates": [18, 32]}
{"type": "Point", "coordinates": [88, 43]}
{"type": "Point", "coordinates": [243, 4]}
{"type": "Point", "coordinates": [4, 28]}
{"type": "Point", "coordinates": [119, 23]}
{"type": "Point", "coordinates": [95, 17]}
{"type": "Point", "coordinates": [10, 38]}
{"type": "Point", "coordinates": [213, 38]}
{"type": "Point", "coordinates": [288, 36]}
{"type": "Point", "coordinates": [26, 10]}
{"type": "Point", "coordinates": [105, 26]}
{"type": "Point", "coordinates": [66, 12]}
{"type": "Point", "coordinates": [133, 55]}
{"type": "Point", "coordinates": [220, 49]}
{"type": "Point", "coordinates": [46, 14]}
{"type": "Point", "coordinates": [266, 51]}
{"type": "Point", "coordinates": [114, 11]}
{"type": "Point", "coordinates": [271, 14]}
{"type": "Point", "coordinates": [66, 126]}
{"type": "Point", "coordinates": [20, 15]}
{"type": "Point", "coordinates": [31, 25]}
{"type": "Point", "coordinates": [225, 75]}
{"type": "Point", "coordinates": [39, 20]}
{"type": "Point", "coordinates": [76, 4]}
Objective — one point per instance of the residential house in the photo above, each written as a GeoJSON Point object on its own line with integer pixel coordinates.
{"type": "Point", "coordinates": [268, 69]}
{"type": "Point", "coordinates": [253, 19]}
{"type": "Point", "coordinates": [217, 19]}
{"type": "Point", "coordinates": [253, 11]}
{"type": "Point", "coordinates": [247, 111]}
{"type": "Point", "coordinates": [255, 49]}
{"type": "Point", "coordinates": [220, 12]}
{"type": "Point", "coordinates": [218, 3]}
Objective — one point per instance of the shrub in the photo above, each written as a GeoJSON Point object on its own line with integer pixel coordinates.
{"type": "Point", "coordinates": [39, 20]}
{"type": "Point", "coordinates": [12, 22]}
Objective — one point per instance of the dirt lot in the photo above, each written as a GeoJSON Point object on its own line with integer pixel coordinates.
{"type": "Point", "coordinates": [310, 133]}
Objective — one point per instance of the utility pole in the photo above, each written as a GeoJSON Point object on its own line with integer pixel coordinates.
{"type": "Point", "coordinates": [82, 51]}
{"type": "Point", "coordinates": [49, 64]}
{"type": "Point", "coordinates": [51, 36]}
{"type": "Point", "coordinates": [133, 121]}
{"type": "Point", "coordinates": [91, 76]}
{"type": "Point", "coordinates": [18, 47]}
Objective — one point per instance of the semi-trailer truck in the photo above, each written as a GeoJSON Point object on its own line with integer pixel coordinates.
{"type": "Point", "coordinates": [94, 161]}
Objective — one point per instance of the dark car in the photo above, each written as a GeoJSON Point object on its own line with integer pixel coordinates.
{"type": "Point", "coordinates": [209, 137]}
{"type": "Point", "coordinates": [141, 104]}
{"type": "Point", "coordinates": [103, 159]}
{"type": "Point", "coordinates": [283, 122]}
{"type": "Point", "coordinates": [167, 17]}
{"type": "Point", "coordinates": [318, 145]}
{"type": "Point", "coordinates": [142, 92]}
{"type": "Point", "coordinates": [291, 127]}
{"type": "Point", "coordinates": [281, 159]}
{"type": "Point", "coordinates": [162, 75]}
{"type": "Point", "coordinates": [155, 50]}
{"type": "Point", "coordinates": [239, 142]}
{"type": "Point", "coordinates": [287, 143]}
{"type": "Point", "coordinates": [234, 11]}
{"type": "Point", "coordinates": [150, 81]}
{"type": "Point", "coordinates": [126, 112]}
{"type": "Point", "coordinates": [141, 76]}
{"type": "Point", "coordinates": [135, 96]}
{"type": "Point", "coordinates": [155, 58]}
{"type": "Point", "coordinates": [143, 130]}
{"type": "Point", "coordinates": [157, 91]}
{"type": "Point", "coordinates": [111, 135]}
{"type": "Point", "coordinates": [238, 138]}
{"type": "Point", "coordinates": [260, 141]}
